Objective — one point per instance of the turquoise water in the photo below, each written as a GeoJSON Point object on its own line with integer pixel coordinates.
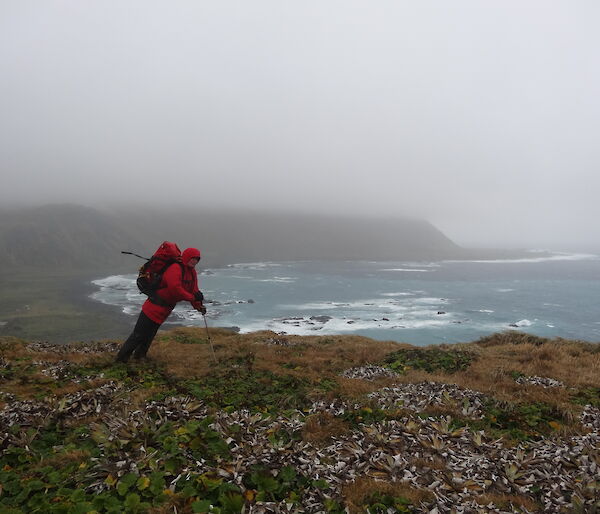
{"type": "Point", "coordinates": [415, 302]}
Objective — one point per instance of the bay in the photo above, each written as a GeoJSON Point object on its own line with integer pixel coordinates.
{"type": "Point", "coordinates": [416, 302]}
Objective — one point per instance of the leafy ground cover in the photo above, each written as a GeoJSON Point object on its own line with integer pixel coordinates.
{"type": "Point", "coordinates": [273, 424]}
{"type": "Point", "coordinates": [431, 359]}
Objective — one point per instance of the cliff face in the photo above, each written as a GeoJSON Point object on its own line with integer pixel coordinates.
{"type": "Point", "coordinates": [76, 237]}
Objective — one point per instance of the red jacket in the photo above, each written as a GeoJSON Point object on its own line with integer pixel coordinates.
{"type": "Point", "coordinates": [178, 283]}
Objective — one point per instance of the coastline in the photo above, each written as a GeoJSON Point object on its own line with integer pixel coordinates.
{"type": "Point", "coordinates": [420, 303]}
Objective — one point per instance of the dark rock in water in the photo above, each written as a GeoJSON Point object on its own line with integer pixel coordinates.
{"type": "Point", "coordinates": [384, 319]}
{"type": "Point", "coordinates": [321, 319]}
{"type": "Point", "coordinates": [441, 312]}
{"type": "Point", "coordinates": [513, 325]}
{"type": "Point", "coordinates": [350, 322]}
{"type": "Point", "coordinates": [233, 329]}
{"type": "Point", "coordinates": [251, 300]}
{"type": "Point", "coordinates": [213, 302]}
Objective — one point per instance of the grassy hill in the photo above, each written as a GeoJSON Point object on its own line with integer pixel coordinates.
{"type": "Point", "coordinates": [509, 423]}
{"type": "Point", "coordinates": [61, 237]}
{"type": "Point", "coordinates": [67, 237]}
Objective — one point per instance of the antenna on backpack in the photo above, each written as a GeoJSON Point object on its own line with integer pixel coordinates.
{"type": "Point", "coordinates": [136, 255]}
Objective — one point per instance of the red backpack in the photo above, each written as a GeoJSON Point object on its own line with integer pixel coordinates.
{"type": "Point", "coordinates": [151, 272]}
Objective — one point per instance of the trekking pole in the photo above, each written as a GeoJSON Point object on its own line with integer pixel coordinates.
{"type": "Point", "coordinates": [209, 341]}
{"type": "Point", "coordinates": [136, 255]}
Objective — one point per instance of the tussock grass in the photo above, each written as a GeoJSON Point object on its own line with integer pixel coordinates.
{"type": "Point", "coordinates": [321, 427]}
{"type": "Point", "coordinates": [358, 493]}
{"type": "Point", "coordinates": [271, 374]}
{"type": "Point", "coordinates": [65, 458]}
{"type": "Point", "coordinates": [184, 353]}
{"type": "Point", "coordinates": [512, 503]}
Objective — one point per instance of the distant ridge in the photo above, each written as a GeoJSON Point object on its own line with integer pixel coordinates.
{"type": "Point", "coordinates": [63, 237]}
{"type": "Point", "coordinates": [60, 237]}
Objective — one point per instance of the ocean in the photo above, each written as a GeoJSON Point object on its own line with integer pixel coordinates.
{"type": "Point", "coordinates": [415, 302]}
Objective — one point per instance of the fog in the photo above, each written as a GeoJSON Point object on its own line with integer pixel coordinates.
{"type": "Point", "coordinates": [481, 117]}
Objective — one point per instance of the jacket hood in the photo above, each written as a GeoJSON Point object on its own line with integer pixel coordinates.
{"type": "Point", "coordinates": [189, 253]}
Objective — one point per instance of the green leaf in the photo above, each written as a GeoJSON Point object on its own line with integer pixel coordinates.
{"type": "Point", "coordinates": [122, 489]}
{"type": "Point", "coordinates": [232, 502]}
{"type": "Point", "coordinates": [142, 483]}
{"type": "Point", "coordinates": [171, 465]}
{"type": "Point", "coordinates": [320, 484]}
{"type": "Point", "coordinates": [54, 477]}
{"type": "Point", "coordinates": [78, 495]}
{"type": "Point", "coordinates": [196, 443]}
{"type": "Point", "coordinates": [82, 508]}
{"type": "Point", "coordinates": [210, 483]}
{"type": "Point", "coordinates": [201, 506]}
{"type": "Point", "coordinates": [126, 482]}
{"type": "Point", "coordinates": [287, 474]}
{"type": "Point", "coordinates": [266, 483]}
{"type": "Point", "coordinates": [132, 501]}
{"type": "Point", "coordinates": [157, 483]}
{"type": "Point", "coordinates": [112, 504]}
{"type": "Point", "coordinates": [129, 479]}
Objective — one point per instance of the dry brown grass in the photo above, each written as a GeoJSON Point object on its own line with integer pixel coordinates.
{"type": "Point", "coordinates": [173, 505]}
{"type": "Point", "coordinates": [433, 462]}
{"type": "Point", "coordinates": [355, 493]}
{"type": "Point", "coordinates": [64, 459]}
{"type": "Point", "coordinates": [508, 501]}
{"type": "Point", "coordinates": [84, 421]}
{"type": "Point", "coordinates": [308, 357]}
{"type": "Point", "coordinates": [510, 337]}
{"type": "Point", "coordinates": [354, 390]}
{"type": "Point", "coordinates": [436, 411]}
{"type": "Point", "coordinates": [321, 427]}
{"type": "Point", "coordinates": [573, 363]}
{"type": "Point", "coordinates": [314, 358]}
{"type": "Point", "coordinates": [22, 390]}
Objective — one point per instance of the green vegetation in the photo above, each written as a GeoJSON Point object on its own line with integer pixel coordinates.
{"type": "Point", "coordinates": [379, 503]}
{"type": "Point", "coordinates": [88, 435]}
{"type": "Point", "coordinates": [516, 422]}
{"type": "Point", "coordinates": [53, 306]}
{"type": "Point", "coordinates": [430, 360]}
{"type": "Point", "coordinates": [587, 396]}
{"type": "Point", "coordinates": [260, 391]}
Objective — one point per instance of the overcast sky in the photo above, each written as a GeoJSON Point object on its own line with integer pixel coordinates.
{"type": "Point", "coordinates": [482, 117]}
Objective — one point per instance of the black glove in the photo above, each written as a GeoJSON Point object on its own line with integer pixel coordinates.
{"type": "Point", "coordinates": [202, 309]}
{"type": "Point", "coordinates": [199, 297]}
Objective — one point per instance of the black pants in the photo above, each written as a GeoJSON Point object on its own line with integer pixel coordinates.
{"type": "Point", "coordinates": [140, 339]}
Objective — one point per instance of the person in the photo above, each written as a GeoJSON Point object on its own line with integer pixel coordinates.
{"type": "Point", "coordinates": [179, 283]}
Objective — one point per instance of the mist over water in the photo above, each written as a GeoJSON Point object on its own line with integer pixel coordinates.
{"type": "Point", "coordinates": [481, 118]}
{"type": "Point", "coordinates": [415, 302]}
